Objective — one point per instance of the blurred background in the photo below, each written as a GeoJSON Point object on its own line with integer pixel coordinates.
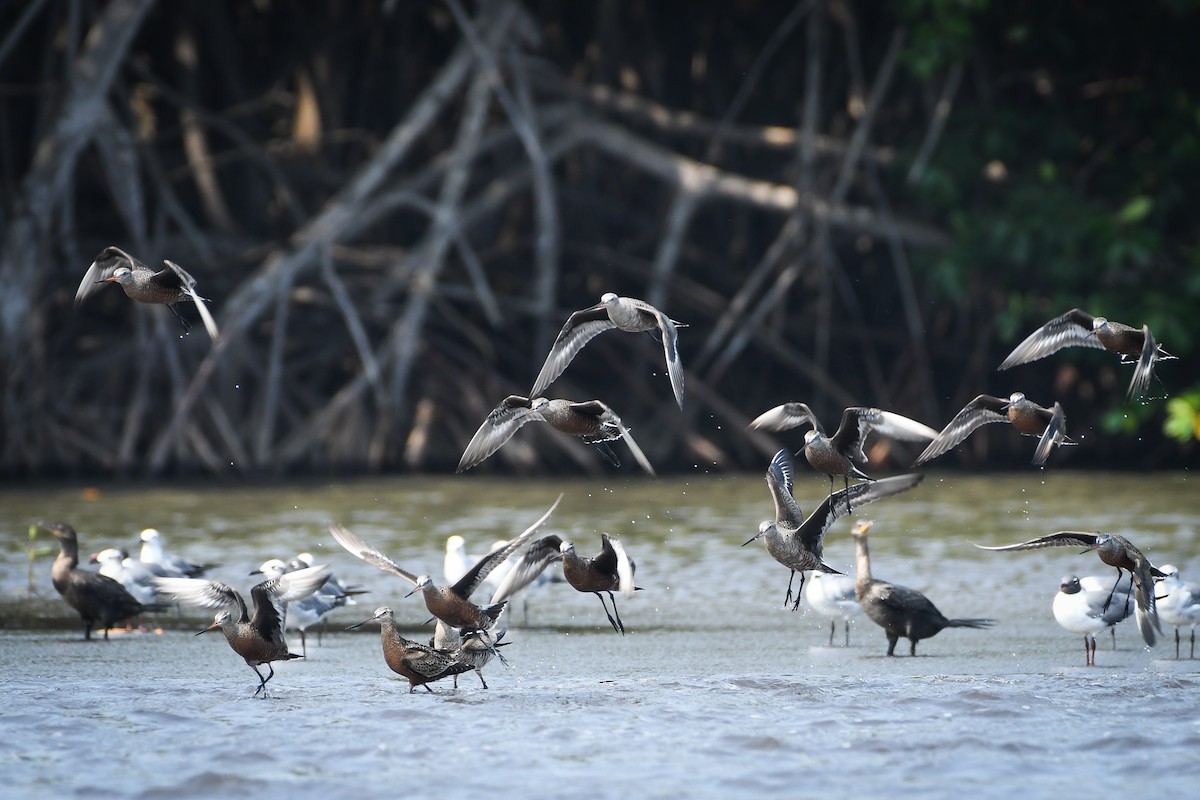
{"type": "Point", "coordinates": [393, 207]}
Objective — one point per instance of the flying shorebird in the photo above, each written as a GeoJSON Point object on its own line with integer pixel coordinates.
{"type": "Point", "coordinates": [98, 598]}
{"type": "Point", "coordinates": [796, 542]}
{"type": "Point", "coordinates": [1079, 610]}
{"type": "Point", "coordinates": [1026, 416]}
{"type": "Point", "coordinates": [1080, 328]}
{"type": "Point", "coordinates": [900, 611]}
{"type": "Point", "coordinates": [258, 639]}
{"type": "Point", "coordinates": [837, 454]}
{"type": "Point", "coordinates": [420, 664]}
{"type": "Point", "coordinates": [592, 421]}
{"type": "Point", "coordinates": [1116, 551]}
{"type": "Point", "coordinates": [167, 286]}
{"type": "Point", "coordinates": [451, 604]}
{"type": "Point", "coordinates": [623, 313]}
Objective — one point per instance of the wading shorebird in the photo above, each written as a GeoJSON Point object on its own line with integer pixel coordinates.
{"type": "Point", "coordinates": [796, 542]}
{"type": "Point", "coordinates": [258, 639]}
{"type": "Point", "coordinates": [838, 454]}
{"type": "Point", "coordinates": [592, 421]}
{"type": "Point", "coordinates": [308, 611]}
{"type": "Point", "coordinates": [832, 596]}
{"type": "Point", "coordinates": [420, 664]}
{"type": "Point", "coordinates": [1118, 552]}
{"type": "Point", "coordinates": [476, 649]}
{"type": "Point", "coordinates": [1026, 416]}
{"type": "Point", "coordinates": [1079, 328]}
{"type": "Point", "coordinates": [622, 313]}
{"type": "Point", "coordinates": [169, 564]}
{"type": "Point", "coordinates": [1079, 610]}
{"type": "Point", "coordinates": [1178, 604]}
{"type": "Point", "coordinates": [900, 611]}
{"type": "Point", "coordinates": [167, 286]}
{"type": "Point", "coordinates": [451, 604]}
{"type": "Point", "coordinates": [98, 598]}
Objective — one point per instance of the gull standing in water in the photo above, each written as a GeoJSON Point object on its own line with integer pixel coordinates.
{"type": "Point", "coordinates": [1081, 329]}
{"type": "Point", "coordinates": [837, 454]}
{"type": "Point", "coordinates": [1026, 416]}
{"type": "Point", "coordinates": [97, 598]}
{"type": "Point", "coordinates": [592, 421]}
{"type": "Point", "coordinates": [623, 313]}
{"type": "Point", "coordinates": [174, 566]}
{"type": "Point", "coordinates": [451, 604]}
{"type": "Point", "coordinates": [258, 639]}
{"type": "Point", "coordinates": [833, 596]}
{"type": "Point", "coordinates": [1087, 611]}
{"type": "Point", "coordinates": [420, 664]}
{"type": "Point", "coordinates": [136, 577]}
{"type": "Point", "coordinates": [796, 542]}
{"type": "Point", "coordinates": [900, 611]}
{"type": "Point", "coordinates": [1118, 552]}
{"type": "Point", "coordinates": [1178, 604]}
{"type": "Point", "coordinates": [166, 286]}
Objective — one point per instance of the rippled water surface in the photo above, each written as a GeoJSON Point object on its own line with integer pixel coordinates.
{"type": "Point", "coordinates": [715, 691]}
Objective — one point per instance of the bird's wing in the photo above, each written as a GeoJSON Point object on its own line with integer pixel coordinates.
{"type": "Point", "coordinates": [202, 593]}
{"type": "Point", "coordinates": [670, 343]}
{"type": "Point", "coordinates": [625, 567]}
{"type": "Point", "coordinates": [270, 610]}
{"type": "Point", "coordinates": [500, 425]}
{"type": "Point", "coordinates": [812, 533]}
{"type": "Point", "coordinates": [469, 582]}
{"type": "Point", "coordinates": [101, 269]}
{"type": "Point", "coordinates": [779, 479]}
{"type": "Point", "coordinates": [187, 285]}
{"type": "Point", "coordinates": [1144, 369]}
{"type": "Point", "coordinates": [786, 417]}
{"type": "Point", "coordinates": [1073, 328]}
{"type": "Point", "coordinates": [369, 554]}
{"type": "Point", "coordinates": [580, 328]}
{"type": "Point", "coordinates": [982, 410]}
{"type": "Point", "coordinates": [1059, 539]}
{"type": "Point", "coordinates": [638, 455]}
{"type": "Point", "coordinates": [1056, 431]}
{"type": "Point", "coordinates": [894, 426]}
{"type": "Point", "coordinates": [292, 586]}
{"type": "Point", "coordinates": [541, 554]}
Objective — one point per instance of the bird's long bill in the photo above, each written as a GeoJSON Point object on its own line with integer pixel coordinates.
{"type": "Point", "coordinates": [358, 625]}
{"type": "Point", "coordinates": [751, 539]}
{"type": "Point", "coordinates": [414, 591]}
{"type": "Point", "coordinates": [1089, 549]}
{"type": "Point", "coordinates": [212, 627]}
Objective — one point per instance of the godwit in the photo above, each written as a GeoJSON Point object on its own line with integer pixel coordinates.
{"type": "Point", "coordinates": [1026, 416]}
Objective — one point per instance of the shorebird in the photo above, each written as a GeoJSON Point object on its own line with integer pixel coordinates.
{"type": "Point", "coordinates": [1178, 604]}
{"type": "Point", "coordinates": [623, 313]}
{"type": "Point", "coordinates": [1026, 416]}
{"type": "Point", "coordinates": [833, 596]}
{"type": "Point", "coordinates": [530, 571]}
{"type": "Point", "coordinates": [592, 421]}
{"type": "Point", "coordinates": [1081, 329]}
{"type": "Point", "coordinates": [451, 604]}
{"type": "Point", "coordinates": [97, 598]}
{"type": "Point", "coordinates": [837, 454]}
{"type": "Point", "coordinates": [796, 542]}
{"type": "Point", "coordinates": [173, 566]}
{"type": "Point", "coordinates": [258, 639]}
{"type": "Point", "coordinates": [1122, 588]}
{"type": "Point", "coordinates": [610, 570]}
{"type": "Point", "coordinates": [900, 611]}
{"type": "Point", "coordinates": [1116, 551]}
{"type": "Point", "coordinates": [307, 611]}
{"type": "Point", "coordinates": [136, 577]}
{"type": "Point", "coordinates": [420, 664]}
{"type": "Point", "coordinates": [168, 286]}
{"type": "Point", "coordinates": [1086, 611]}
{"type": "Point", "coordinates": [475, 649]}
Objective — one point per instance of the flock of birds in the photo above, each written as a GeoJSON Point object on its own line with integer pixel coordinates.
{"type": "Point", "coordinates": [298, 594]}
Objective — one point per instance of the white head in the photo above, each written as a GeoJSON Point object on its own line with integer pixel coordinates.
{"type": "Point", "coordinates": [150, 535]}
{"type": "Point", "coordinates": [271, 568]}
{"type": "Point", "coordinates": [121, 275]}
{"type": "Point", "coordinates": [1016, 397]}
{"type": "Point", "coordinates": [1098, 323]}
{"type": "Point", "coordinates": [222, 619]}
{"type": "Point", "coordinates": [608, 298]}
{"type": "Point", "coordinates": [566, 547]}
{"type": "Point", "coordinates": [305, 558]}
{"type": "Point", "coordinates": [110, 556]}
{"type": "Point", "coordinates": [539, 404]}
{"type": "Point", "coordinates": [455, 544]}
{"type": "Point", "coordinates": [809, 436]}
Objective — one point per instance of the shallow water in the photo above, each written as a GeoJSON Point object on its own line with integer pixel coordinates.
{"type": "Point", "coordinates": [714, 691]}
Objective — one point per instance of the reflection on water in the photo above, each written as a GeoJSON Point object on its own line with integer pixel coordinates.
{"type": "Point", "coordinates": [715, 690]}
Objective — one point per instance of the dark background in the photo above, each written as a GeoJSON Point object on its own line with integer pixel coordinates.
{"type": "Point", "coordinates": [849, 203]}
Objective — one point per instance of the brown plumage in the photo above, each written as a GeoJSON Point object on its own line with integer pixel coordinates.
{"type": "Point", "coordinates": [1030, 419]}
{"type": "Point", "coordinates": [1118, 552]}
{"type": "Point", "coordinates": [417, 662]}
{"type": "Point", "coordinates": [97, 598]}
{"type": "Point", "coordinates": [610, 570]}
{"type": "Point", "coordinates": [900, 611]}
{"type": "Point", "coordinates": [258, 639]}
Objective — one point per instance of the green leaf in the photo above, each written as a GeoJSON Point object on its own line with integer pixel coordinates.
{"type": "Point", "coordinates": [1136, 210]}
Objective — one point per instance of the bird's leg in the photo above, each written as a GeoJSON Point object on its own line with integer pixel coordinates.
{"type": "Point", "coordinates": [1193, 655]}
{"type": "Point", "coordinates": [892, 644]}
{"type": "Point", "coordinates": [1113, 631]}
{"type": "Point", "coordinates": [846, 625]}
{"type": "Point", "coordinates": [1177, 641]}
{"type": "Point", "coordinates": [187, 326]}
{"type": "Point", "coordinates": [478, 672]}
{"type": "Point", "coordinates": [456, 681]}
{"type": "Point", "coordinates": [611, 621]}
{"type": "Point", "coordinates": [912, 651]}
{"type": "Point", "coordinates": [832, 630]}
{"type": "Point", "coordinates": [262, 682]}
{"type": "Point", "coordinates": [846, 481]}
{"type": "Point", "coordinates": [788, 597]}
{"type": "Point", "coordinates": [799, 592]}
{"type": "Point", "coordinates": [616, 613]}
{"type": "Point", "coordinates": [303, 644]}
{"type": "Point", "coordinates": [426, 685]}
{"type": "Point", "coordinates": [1108, 602]}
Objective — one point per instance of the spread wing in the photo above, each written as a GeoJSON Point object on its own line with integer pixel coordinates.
{"type": "Point", "coordinates": [177, 276]}
{"type": "Point", "coordinates": [202, 593]}
{"type": "Point", "coordinates": [1059, 539]}
{"type": "Point", "coordinates": [102, 268]}
{"type": "Point", "coordinates": [469, 582]}
{"type": "Point", "coordinates": [638, 455]}
{"type": "Point", "coordinates": [670, 343]}
{"type": "Point", "coordinates": [786, 417]}
{"type": "Point", "coordinates": [982, 410]}
{"type": "Point", "coordinates": [540, 555]}
{"type": "Point", "coordinates": [504, 420]}
{"type": "Point", "coordinates": [369, 554]}
{"type": "Point", "coordinates": [859, 422]}
{"type": "Point", "coordinates": [812, 533]}
{"type": "Point", "coordinates": [580, 328]}
{"type": "Point", "coordinates": [1055, 433]}
{"type": "Point", "coordinates": [1072, 329]}
{"type": "Point", "coordinates": [788, 513]}
{"type": "Point", "coordinates": [1144, 369]}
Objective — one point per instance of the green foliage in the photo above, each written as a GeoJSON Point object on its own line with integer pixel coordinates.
{"type": "Point", "coordinates": [1183, 417]}
{"type": "Point", "coordinates": [941, 32]}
